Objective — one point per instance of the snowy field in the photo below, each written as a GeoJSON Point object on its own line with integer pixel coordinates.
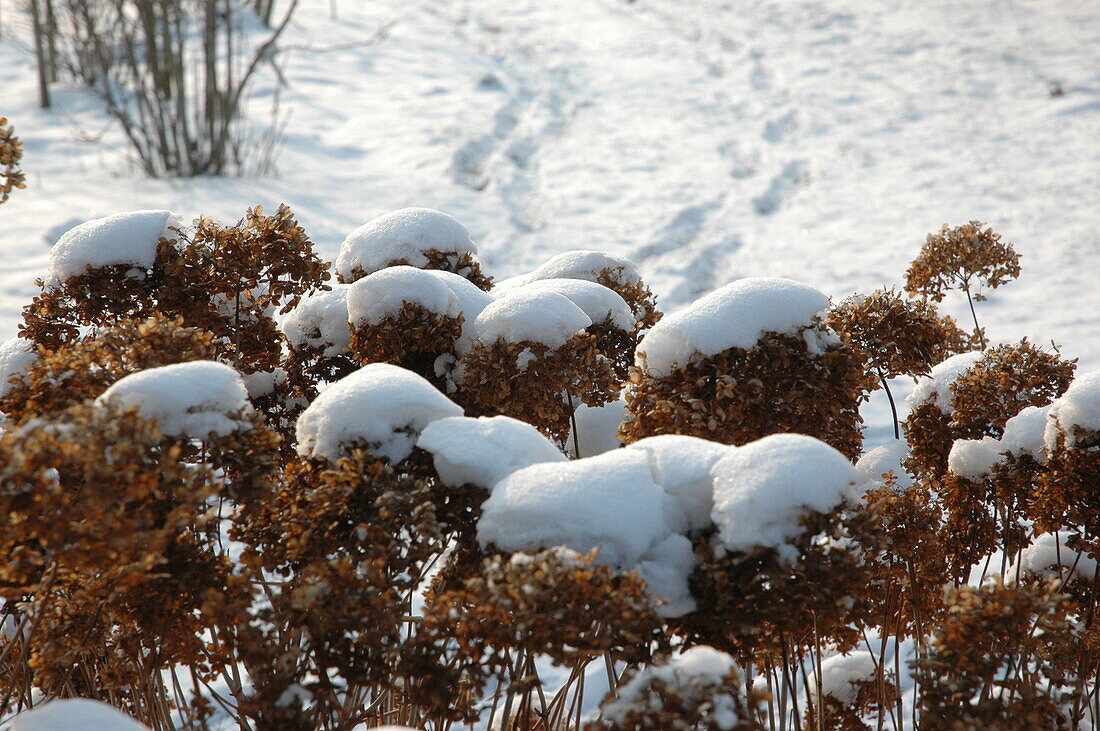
{"type": "Point", "coordinates": [707, 140]}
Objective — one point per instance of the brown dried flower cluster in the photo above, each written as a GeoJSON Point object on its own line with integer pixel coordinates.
{"type": "Point", "coordinates": [995, 388]}
{"type": "Point", "coordinates": [535, 383]}
{"type": "Point", "coordinates": [962, 257]}
{"type": "Point", "coordinates": [738, 396]}
{"type": "Point", "coordinates": [896, 336]}
{"type": "Point", "coordinates": [11, 154]}
{"type": "Point", "coordinates": [413, 338]}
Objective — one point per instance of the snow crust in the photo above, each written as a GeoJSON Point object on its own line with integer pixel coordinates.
{"type": "Point", "coordinates": [403, 234]}
{"type": "Point", "coordinates": [320, 320]}
{"type": "Point", "coordinates": [762, 489]}
{"type": "Point", "coordinates": [733, 316]}
{"type": "Point", "coordinates": [936, 386]}
{"type": "Point", "coordinates": [123, 238]}
{"type": "Point", "coordinates": [596, 300]}
{"type": "Point", "coordinates": [383, 294]}
{"type": "Point", "coordinates": [597, 428]}
{"type": "Point", "coordinates": [1025, 432]}
{"type": "Point", "coordinates": [531, 315]}
{"type": "Point", "coordinates": [699, 667]}
{"type": "Point", "coordinates": [17, 356]}
{"type": "Point", "coordinates": [1079, 406]}
{"type": "Point", "coordinates": [484, 450]}
{"type": "Point", "coordinates": [381, 405]}
{"type": "Point", "coordinates": [585, 264]}
{"type": "Point", "coordinates": [74, 714]}
{"type": "Point", "coordinates": [973, 459]}
{"type": "Point", "coordinates": [885, 458]}
{"type": "Point", "coordinates": [681, 465]}
{"type": "Point", "coordinates": [192, 399]}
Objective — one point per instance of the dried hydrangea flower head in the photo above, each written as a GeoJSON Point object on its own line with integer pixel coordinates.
{"type": "Point", "coordinates": [750, 359]}
{"type": "Point", "coordinates": [1067, 497]}
{"type": "Point", "coordinates": [531, 358]}
{"type": "Point", "coordinates": [11, 153]}
{"type": "Point", "coordinates": [86, 368]}
{"type": "Point", "coordinates": [966, 257]}
{"type": "Point", "coordinates": [416, 237]}
{"type": "Point", "coordinates": [973, 395]}
{"type": "Point", "coordinates": [897, 336]}
{"type": "Point", "coordinates": [404, 316]}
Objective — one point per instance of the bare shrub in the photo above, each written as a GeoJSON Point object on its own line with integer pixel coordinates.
{"type": "Point", "coordinates": [11, 154]}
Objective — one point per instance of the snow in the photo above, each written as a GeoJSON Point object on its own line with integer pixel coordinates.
{"type": "Point", "coordinates": [973, 459]}
{"type": "Point", "coordinates": [700, 668]}
{"type": "Point", "coordinates": [762, 489]}
{"type": "Point", "coordinates": [733, 316]}
{"type": "Point", "coordinates": [885, 458]}
{"type": "Point", "coordinates": [129, 238]}
{"type": "Point", "coordinates": [681, 465]}
{"type": "Point", "coordinates": [17, 356]}
{"type": "Point", "coordinates": [524, 315]}
{"type": "Point", "coordinates": [383, 293]}
{"type": "Point", "coordinates": [583, 264]}
{"type": "Point", "coordinates": [839, 672]}
{"type": "Point", "coordinates": [74, 714]}
{"type": "Point", "coordinates": [485, 450]}
{"type": "Point", "coordinates": [1023, 433]}
{"type": "Point", "coordinates": [194, 399]}
{"type": "Point", "coordinates": [1079, 407]}
{"type": "Point", "coordinates": [1050, 550]}
{"type": "Point", "coordinates": [609, 501]}
{"type": "Point", "coordinates": [596, 300]}
{"type": "Point", "coordinates": [320, 320]}
{"type": "Point", "coordinates": [597, 428]}
{"type": "Point", "coordinates": [936, 386]}
{"type": "Point", "coordinates": [403, 234]}
{"type": "Point", "coordinates": [382, 406]}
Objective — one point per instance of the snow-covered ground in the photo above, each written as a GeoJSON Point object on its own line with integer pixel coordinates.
{"type": "Point", "coordinates": [706, 139]}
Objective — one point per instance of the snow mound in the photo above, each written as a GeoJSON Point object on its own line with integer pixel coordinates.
{"type": "Point", "coordinates": [936, 386]}
{"type": "Point", "coordinates": [973, 459]}
{"type": "Point", "coordinates": [192, 399]}
{"type": "Point", "coordinates": [1079, 406]}
{"type": "Point", "coordinates": [839, 672]}
{"type": "Point", "coordinates": [596, 300]}
{"type": "Point", "coordinates": [1024, 432]}
{"type": "Point", "coordinates": [763, 488]}
{"type": "Point", "coordinates": [320, 321]}
{"type": "Point", "coordinates": [695, 670]}
{"type": "Point", "coordinates": [403, 234]}
{"type": "Point", "coordinates": [74, 714]}
{"type": "Point", "coordinates": [587, 265]}
{"type": "Point", "coordinates": [17, 356]}
{"type": "Point", "coordinates": [889, 457]}
{"type": "Point", "coordinates": [681, 465]}
{"type": "Point", "coordinates": [609, 501]}
{"type": "Point", "coordinates": [531, 315]}
{"type": "Point", "coordinates": [485, 450]}
{"type": "Point", "coordinates": [381, 405]}
{"type": "Point", "coordinates": [125, 238]}
{"type": "Point", "coordinates": [597, 428]}
{"type": "Point", "coordinates": [733, 316]}
{"type": "Point", "coordinates": [383, 294]}
{"type": "Point", "coordinates": [1050, 550]}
